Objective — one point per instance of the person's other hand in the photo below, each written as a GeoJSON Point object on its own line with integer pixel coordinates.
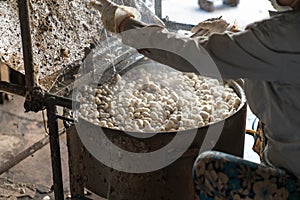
{"type": "Point", "coordinates": [113, 15]}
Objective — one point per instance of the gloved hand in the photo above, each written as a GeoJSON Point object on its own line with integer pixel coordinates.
{"type": "Point", "coordinates": [113, 15]}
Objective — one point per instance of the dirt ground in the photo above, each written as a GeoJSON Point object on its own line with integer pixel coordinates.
{"type": "Point", "coordinates": [33, 176]}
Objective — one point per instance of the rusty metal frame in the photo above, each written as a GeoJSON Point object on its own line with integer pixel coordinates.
{"type": "Point", "coordinates": [36, 99]}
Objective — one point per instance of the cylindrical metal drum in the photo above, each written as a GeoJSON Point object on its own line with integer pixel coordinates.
{"type": "Point", "coordinates": [169, 183]}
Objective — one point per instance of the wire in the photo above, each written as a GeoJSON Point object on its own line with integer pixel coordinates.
{"type": "Point", "coordinates": [250, 132]}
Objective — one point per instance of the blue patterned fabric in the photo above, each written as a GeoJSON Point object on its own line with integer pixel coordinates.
{"type": "Point", "coordinates": [222, 176]}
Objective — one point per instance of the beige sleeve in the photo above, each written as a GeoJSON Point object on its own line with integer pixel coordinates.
{"type": "Point", "coordinates": [242, 55]}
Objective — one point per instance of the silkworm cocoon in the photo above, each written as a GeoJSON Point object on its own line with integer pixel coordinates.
{"type": "Point", "coordinates": [154, 104]}
{"type": "Point", "coordinates": [154, 115]}
{"type": "Point", "coordinates": [161, 102]}
{"type": "Point", "coordinates": [103, 123]}
{"type": "Point", "coordinates": [204, 115]}
{"type": "Point", "coordinates": [170, 124]}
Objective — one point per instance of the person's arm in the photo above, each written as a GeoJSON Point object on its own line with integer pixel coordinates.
{"type": "Point", "coordinates": [261, 52]}
{"type": "Point", "coordinates": [158, 44]}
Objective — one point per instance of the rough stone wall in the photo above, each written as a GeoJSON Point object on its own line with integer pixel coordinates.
{"type": "Point", "coordinates": [61, 29]}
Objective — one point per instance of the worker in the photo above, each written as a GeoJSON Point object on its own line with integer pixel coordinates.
{"type": "Point", "coordinates": [267, 56]}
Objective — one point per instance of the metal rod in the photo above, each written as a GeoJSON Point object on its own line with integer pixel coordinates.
{"type": "Point", "coordinates": [30, 80]}
{"type": "Point", "coordinates": [177, 26]}
{"type": "Point", "coordinates": [12, 88]}
{"type": "Point", "coordinates": [157, 8]}
{"type": "Point", "coordinates": [55, 151]}
{"type": "Point", "coordinates": [63, 102]}
{"type": "Point", "coordinates": [26, 153]}
{"type": "Point", "coordinates": [65, 118]}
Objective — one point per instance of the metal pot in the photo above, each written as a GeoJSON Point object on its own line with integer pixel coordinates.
{"type": "Point", "coordinates": [171, 182]}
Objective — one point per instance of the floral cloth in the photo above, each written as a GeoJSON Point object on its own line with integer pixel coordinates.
{"type": "Point", "coordinates": [219, 176]}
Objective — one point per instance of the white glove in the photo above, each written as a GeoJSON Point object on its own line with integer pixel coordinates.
{"type": "Point", "coordinates": [112, 15]}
